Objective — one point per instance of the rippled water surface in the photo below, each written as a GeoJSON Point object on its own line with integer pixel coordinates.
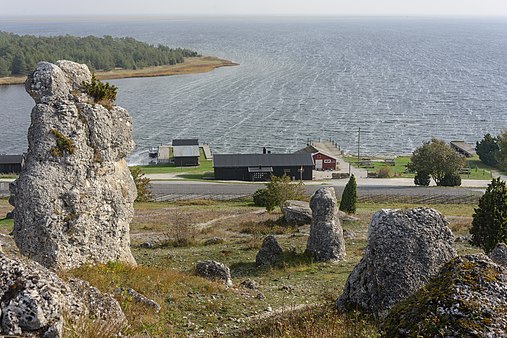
{"type": "Point", "coordinates": [401, 80]}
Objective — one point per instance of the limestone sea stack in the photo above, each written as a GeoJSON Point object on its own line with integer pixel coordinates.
{"type": "Point", "coordinates": [74, 199]}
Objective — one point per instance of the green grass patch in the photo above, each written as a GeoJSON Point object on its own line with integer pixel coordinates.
{"type": "Point", "coordinates": [198, 172]}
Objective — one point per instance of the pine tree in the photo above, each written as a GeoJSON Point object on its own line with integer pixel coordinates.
{"type": "Point", "coordinates": [349, 196]}
{"type": "Point", "coordinates": [489, 225]}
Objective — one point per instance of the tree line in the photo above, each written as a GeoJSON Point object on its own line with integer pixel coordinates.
{"type": "Point", "coordinates": [20, 53]}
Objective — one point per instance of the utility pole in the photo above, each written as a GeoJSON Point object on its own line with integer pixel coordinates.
{"type": "Point", "coordinates": [358, 143]}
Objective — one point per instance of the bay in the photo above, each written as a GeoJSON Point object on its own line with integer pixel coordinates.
{"type": "Point", "coordinates": [401, 80]}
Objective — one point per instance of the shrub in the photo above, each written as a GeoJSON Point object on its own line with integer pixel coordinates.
{"type": "Point", "coordinates": [263, 198]}
{"type": "Point", "coordinates": [489, 225]}
{"type": "Point", "coordinates": [437, 159]}
{"type": "Point", "coordinates": [487, 150]}
{"type": "Point", "coordinates": [422, 178]}
{"type": "Point", "coordinates": [143, 185]}
{"type": "Point", "coordinates": [349, 196]}
{"type": "Point", "coordinates": [451, 180]}
{"type": "Point", "coordinates": [384, 172]}
{"type": "Point", "coordinates": [102, 92]}
{"type": "Point", "coordinates": [277, 191]}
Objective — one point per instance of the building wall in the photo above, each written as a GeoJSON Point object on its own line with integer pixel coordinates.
{"type": "Point", "coordinates": [186, 161]}
{"type": "Point", "coordinates": [242, 174]}
{"type": "Point", "coordinates": [10, 168]}
{"type": "Point", "coordinates": [328, 163]}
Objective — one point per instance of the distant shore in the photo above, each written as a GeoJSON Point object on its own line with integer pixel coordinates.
{"type": "Point", "coordinates": [192, 65]}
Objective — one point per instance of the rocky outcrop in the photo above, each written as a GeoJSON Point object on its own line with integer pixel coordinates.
{"type": "Point", "coordinates": [326, 241]}
{"type": "Point", "coordinates": [468, 298]}
{"type": "Point", "coordinates": [297, 212]}
{"type": "Point", "coordinates": [74, 199]}
{"type": "Point", "coordinates": [213, 270]}
{"type": "Point", "coordinates": [35, 301]}
{"type": "Point", "coordinates": [499, 254]}
{"type": "Point", "coordinates": [269, 253]}
{"type": "Point", "coordinates": [405, 249]}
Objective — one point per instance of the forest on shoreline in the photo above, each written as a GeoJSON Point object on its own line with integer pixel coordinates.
{"type": "Point", "coordinates": [20, 53]}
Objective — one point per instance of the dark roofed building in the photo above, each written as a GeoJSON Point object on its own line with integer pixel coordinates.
{"type": "Point", "coordinates": [11, 164]}
{"type": "Point", "coordinates": [186, 142]}
{"type": "Point", "coordinates": [186, 152]}
{"type": "Point", "coordinates": [260, 167]}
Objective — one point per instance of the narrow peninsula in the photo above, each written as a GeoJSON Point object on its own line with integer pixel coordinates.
{"type": "Point", "coordinates": [107, 57]}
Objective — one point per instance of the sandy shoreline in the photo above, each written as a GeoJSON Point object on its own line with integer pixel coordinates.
{"type": "Point", "coordinates": [192, 65]}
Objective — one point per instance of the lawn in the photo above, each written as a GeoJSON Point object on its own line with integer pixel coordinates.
{"type": "Point", "coordinates": [478, 170]}
{"type": "Point", "coordinates": [205, 166]}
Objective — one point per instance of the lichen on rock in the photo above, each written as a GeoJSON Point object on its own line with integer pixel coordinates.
{"type": "Point", "coordinates": [468, 298]}
{"type": "Point", "coordinates": [74, 199]}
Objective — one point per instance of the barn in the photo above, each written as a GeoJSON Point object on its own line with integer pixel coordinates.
{"type": "Point", "coordinates": [11, 164]}
{"type": "Point", "coordinates": [322, 161]}
{"type": "Point", "coordinates": [186, 152]}
{"type": "Point", "coordinates": [260, 167]}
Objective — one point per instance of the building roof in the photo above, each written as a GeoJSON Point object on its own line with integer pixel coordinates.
{"type": "Point", "coordinates": [464, 147]}
{"type": "Point", "coordinates": [262, 160]}
{"type": "Point", "coordinates": [312, 150]}
{"type": "Point", "coordinates": [11, 159]}
{"type": "Point", "coordinates": [186, 151]}
{"type": "Point", "coordinates": [186, 142]}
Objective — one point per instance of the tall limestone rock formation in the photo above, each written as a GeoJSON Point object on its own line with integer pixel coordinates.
{"type": "Point", "coordinates": [74, 199]}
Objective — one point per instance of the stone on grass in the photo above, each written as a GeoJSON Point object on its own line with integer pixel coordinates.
{"type": "Point", "coordinates": [297, 212]}
{"type": "Point", "coordinates": [250, 284]}
{"type": "Point", "coordinates": [213, 270]}
{"type": "Point", "coordinates": [405, 249]}
{"type": "Point", "coordinates": [269, 253]}
{"type": "Point", "coordinates": [139, 298]}
{"type": "Point", "coordinates": [35, 301]}
{"type": "Point", "coordinates": [326, 241]}
{"type": "Point", "coordinates": [214, 240]}
{"type": "Point", "coordinates": [468, 298]}
{"type": "Point", "coordinates": [499, 254]}
{"type": "Point", "coordinates": [73, 200]}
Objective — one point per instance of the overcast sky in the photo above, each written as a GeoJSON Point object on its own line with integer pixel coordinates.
{"type": "Point", "coordinates": [252, 7]}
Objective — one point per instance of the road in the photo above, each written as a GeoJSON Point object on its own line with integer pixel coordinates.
{"type": "Point", "coordinates": [377, 190]}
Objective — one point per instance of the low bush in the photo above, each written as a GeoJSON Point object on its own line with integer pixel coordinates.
{"type": "Point", "coordinates": [102, 92]}
{"type": "Point", "coordinates": [143, 185]}
{"type": "Point", "coordinates": [422, 179]}
{"type": "Point", "coordinates": [384, 172]}
{"type": "Point", "coordinates": [451, 180]}
{"type": "Point", "coordinates": [349, 197]}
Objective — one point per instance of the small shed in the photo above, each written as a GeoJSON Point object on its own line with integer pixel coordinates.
{"type": "Point", "coordinates": [11, 164]}
{"type": "Point", "coordinates": [186, 152]}
{"type": "Point", "coordinates": [463, 148]}
{"type": "Point", "coordinates": [260, 167]}
{"type": "Point", "coordinates": [322, 161]}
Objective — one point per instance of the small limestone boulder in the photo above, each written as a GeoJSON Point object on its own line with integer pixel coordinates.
{"type": "Point", "coordinates": [35, 301]}
{"type": "Point", "coordinates": [297, 212]}
{"type": "Point", "coordinates": [405, 249]}
{"type": "Point", "coordinates": [468, 298]}
{"type": "Point", "coordinates": [214, 271]}
{"type": "Point", "coordinates": [269, 253]}
{"type": "Point", "coordinates": [326, 241]}
{"type": "Point", "coordinates": [499, 254]}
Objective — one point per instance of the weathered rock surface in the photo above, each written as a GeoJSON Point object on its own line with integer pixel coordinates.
{"type": "Point", "coordinates": [214, 271]}
{"type": "Point", "coordinates": [74, 199]}
{"type": "Point", "coordinates": [297, 212]}
{"type": "Point", "coordinates": [269, 253]}
{"type": "Point", "coordinates": [34, 301]}
{"type": "Point", "coordinates": [405, 249]}
{"type": "Point", "coordinates": [499, 254]}
{"type": "Point", "coordinates": [326, 241]}
{"type": "Point", "coordinates": [468, 298]}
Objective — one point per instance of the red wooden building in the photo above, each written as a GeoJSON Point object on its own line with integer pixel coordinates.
{"type": "Point", "coordinates": [321, 161]}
